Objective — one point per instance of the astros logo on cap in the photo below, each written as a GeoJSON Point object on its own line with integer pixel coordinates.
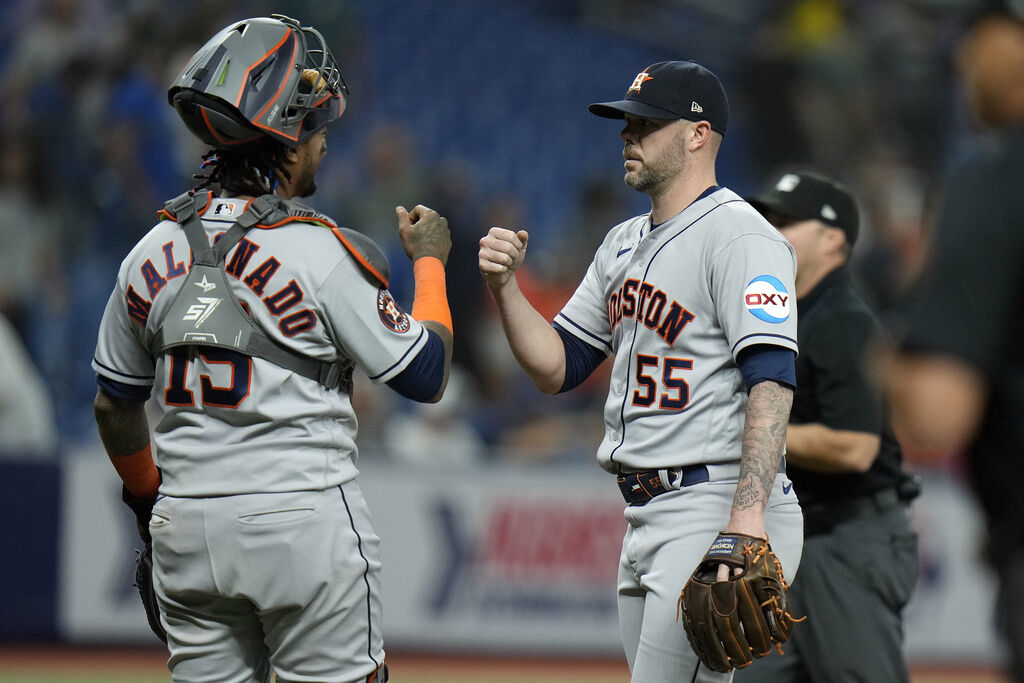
{"type": "Point", "coordinates": [638, 81]}
{"type": "Point", "coordinates": [767, 299]}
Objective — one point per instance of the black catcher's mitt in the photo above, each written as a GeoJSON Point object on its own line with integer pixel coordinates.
{"type": "Point", "coordinates": [144, 582]}
{"type": "Point", "coordinates": [730, 622]}
{"type": "Point", "coordinates": [143, 509]}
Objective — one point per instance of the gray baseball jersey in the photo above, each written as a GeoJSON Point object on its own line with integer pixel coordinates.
{"type": "Point", "coordinates": [674, 306]}
{"type": "Point", "coordinates": [227, 420]}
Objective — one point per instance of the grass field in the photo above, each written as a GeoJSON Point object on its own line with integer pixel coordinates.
{"type": "Point", "coordinates": [79, 665]}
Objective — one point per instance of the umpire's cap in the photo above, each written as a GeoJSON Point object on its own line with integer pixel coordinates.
{"type": "Point", "coordinates": [805, 195]}
{"type": "Point", "coordinates": [266, 76]}
{"type": "Point", "coordinates": [672, 90]}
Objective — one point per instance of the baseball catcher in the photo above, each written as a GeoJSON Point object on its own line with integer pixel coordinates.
{"type": "Point", "coordinates": [729, 622]}
{"type": "Point", "coordinates": [242, 314]}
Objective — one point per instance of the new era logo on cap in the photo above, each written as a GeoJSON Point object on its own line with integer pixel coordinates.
{"type": "Point", "coordinates": [696, 107]}
{"type": "Point", "coordinates": [829, 213]}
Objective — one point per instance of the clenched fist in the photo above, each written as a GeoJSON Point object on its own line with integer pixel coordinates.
{"type": "Point", "coordinates": [423, 233]}
{"type": "Point", "coordinates": [501, 252]}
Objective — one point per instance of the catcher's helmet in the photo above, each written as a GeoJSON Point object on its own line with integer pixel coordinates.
{"type": "Point", "coordinates": [261, 76]}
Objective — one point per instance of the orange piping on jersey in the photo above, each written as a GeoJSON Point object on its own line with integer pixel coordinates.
{"type": "Point", "coordinates": [241, 88]}
{"type": "Point", "coordinates": [359, 257]}
{"type": "Point", "coordinates": [294, 219]}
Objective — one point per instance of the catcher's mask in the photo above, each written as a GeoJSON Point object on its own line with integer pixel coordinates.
{"type": "Point", "coordinates": [261, 76]}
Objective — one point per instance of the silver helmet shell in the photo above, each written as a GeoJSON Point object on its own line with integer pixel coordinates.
{"type": "Point", "coordinates": [266, 76]}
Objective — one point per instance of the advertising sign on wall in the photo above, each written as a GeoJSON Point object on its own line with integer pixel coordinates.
{"type": "Point", "coordinates": [509, 560]}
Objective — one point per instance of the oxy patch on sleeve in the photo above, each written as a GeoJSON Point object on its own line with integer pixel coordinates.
{"type": "Point", "coordinates": [767, 299]}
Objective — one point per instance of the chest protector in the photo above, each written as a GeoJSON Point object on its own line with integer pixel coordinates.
{"type": "Point", "coordinates": [205, 312]}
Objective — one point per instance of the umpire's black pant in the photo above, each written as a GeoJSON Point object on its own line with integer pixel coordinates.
{"type": "Point", "coordinates": [853, 583]}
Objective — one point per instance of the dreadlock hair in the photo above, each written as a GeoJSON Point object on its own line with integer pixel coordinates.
{"type": "Point", "coordinates": [249, 170]}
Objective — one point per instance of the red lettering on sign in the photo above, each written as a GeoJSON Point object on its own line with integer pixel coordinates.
{"type": "Point", "coordinates": [526, 540]}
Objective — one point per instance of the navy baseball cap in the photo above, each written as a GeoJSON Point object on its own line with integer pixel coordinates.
{"type": "Point", "coordinates": [672, 90]}
{"type": "Point", "coordinates": [805, 195]}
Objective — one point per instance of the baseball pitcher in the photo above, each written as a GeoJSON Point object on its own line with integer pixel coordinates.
{"type": "Point", "coordinates": [693, 302]}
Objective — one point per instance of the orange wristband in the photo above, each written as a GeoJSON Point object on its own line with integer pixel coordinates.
{"type": "Point", "coordinates": [138, 472]}
{"type": "Point", "coordinates": [431, 300]}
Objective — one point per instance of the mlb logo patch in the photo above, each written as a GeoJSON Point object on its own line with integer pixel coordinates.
{"type": "Point", "coordinates": [767, 299]}
{"type": "Point", "coordinates": [224, 208]}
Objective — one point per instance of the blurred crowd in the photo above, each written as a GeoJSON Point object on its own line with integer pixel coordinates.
{"type": "Point", "coordinates": [863, 90]}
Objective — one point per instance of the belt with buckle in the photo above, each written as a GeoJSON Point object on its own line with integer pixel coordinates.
{"type": "Point", "coordinates": [639, 487]}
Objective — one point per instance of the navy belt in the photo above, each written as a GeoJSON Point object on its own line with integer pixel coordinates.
{"type": "Point", "coordinates": [639, 487]}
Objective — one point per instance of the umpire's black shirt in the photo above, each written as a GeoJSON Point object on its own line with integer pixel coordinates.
{"type": "Point", "coordinates": [837, 331]}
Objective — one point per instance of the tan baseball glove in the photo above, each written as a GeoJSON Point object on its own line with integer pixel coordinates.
{"type": "Point", "coordinates": [729, 623]}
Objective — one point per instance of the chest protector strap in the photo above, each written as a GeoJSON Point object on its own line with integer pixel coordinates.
{"type": "Point", "coordinates": [205, 312]}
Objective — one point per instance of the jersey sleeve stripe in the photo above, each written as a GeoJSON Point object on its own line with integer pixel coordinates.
{"type": "Point", "coordinates": [402, 359]}
{"type": "Point", "coordinates": [590, 334]}
{"type": "Point", "coordinates": [792, 342]}
{"type": "Point", "coordinates": [109, 370]}
{"type": "Point", "coordinates": [128, 392]}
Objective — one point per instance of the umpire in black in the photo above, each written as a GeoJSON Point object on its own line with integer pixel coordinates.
{"type": "Point", "coordinates": [860, 554]}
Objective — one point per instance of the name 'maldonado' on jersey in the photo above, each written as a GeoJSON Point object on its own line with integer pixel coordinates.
{"type": "Point", "coordinates": [232, 424]}
{"type": "Point", "coordinates": [674, 306]}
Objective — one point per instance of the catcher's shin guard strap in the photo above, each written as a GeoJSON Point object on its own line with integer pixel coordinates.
{"type": "Point", "coordinates": [431, 301]}
{"type": "Point", "coordinates": [138, 472]}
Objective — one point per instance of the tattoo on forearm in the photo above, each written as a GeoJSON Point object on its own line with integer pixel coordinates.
{"type": "Point", "coordinates": [764, 435]}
